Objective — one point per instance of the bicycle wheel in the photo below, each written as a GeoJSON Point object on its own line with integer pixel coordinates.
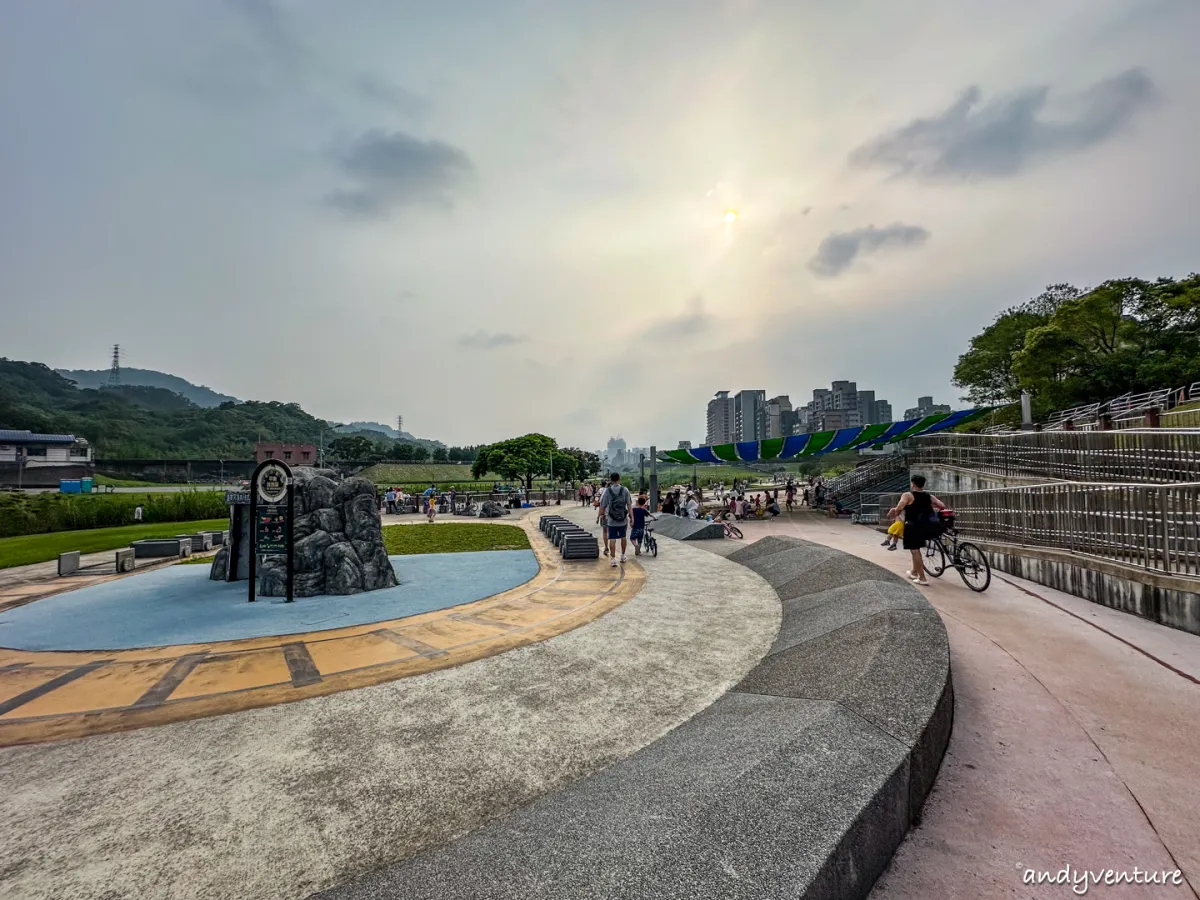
{"type": "Point", "coordinates": [935, 558]}
{"type": "Point", "coordinates": [653, 547]}
{"type": "Point", "coordinates": [972, 565]}
{"type": "Point", "coordinates": [735, 532]}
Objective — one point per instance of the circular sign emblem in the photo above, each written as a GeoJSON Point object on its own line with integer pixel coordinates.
{"type": "Point", "coordinates": [272, 484]}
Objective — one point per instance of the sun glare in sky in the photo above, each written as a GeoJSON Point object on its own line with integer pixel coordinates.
{"type": "Point", "coordinates": [731, 216]}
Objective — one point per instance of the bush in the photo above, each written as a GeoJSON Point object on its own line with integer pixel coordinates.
{"type": "Point", "coordinates": [43, 513]}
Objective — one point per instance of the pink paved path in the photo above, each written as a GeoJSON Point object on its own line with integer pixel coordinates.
{"type": "Point", "coordinates": [1069, 746]}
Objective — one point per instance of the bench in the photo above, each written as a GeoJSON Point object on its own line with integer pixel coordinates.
{"type": "Point", "coordinates": [201, 540]}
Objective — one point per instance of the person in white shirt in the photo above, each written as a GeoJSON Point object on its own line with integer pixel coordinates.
{"type": "Point", "coordinates": [693, 508]}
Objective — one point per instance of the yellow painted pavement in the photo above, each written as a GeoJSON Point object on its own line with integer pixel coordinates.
{"type": "Point", "coordinates": [54, 695]}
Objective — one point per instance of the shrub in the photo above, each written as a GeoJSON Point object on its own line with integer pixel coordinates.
{"type": "Point", "coordinates": [43, 513]}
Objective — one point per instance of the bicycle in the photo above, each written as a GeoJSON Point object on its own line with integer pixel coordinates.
{"type": "Point", "coordinates": [731, 530]}
{"type": "Point", "coordinates": [967, 558]}
{"type": "Point", "coordinates": [649, 543]}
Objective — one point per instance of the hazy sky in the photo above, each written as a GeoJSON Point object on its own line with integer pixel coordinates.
{"type": "Point", "coordinates": [494, 217]}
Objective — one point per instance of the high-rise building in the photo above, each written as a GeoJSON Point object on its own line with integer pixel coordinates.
{"type": "Point", "coordinates": [685, 445]}
{"type": "Point", "coordinates": [749, 415]}
{"type": "Point", "coordinates": [866, 407]}
{"type": "Point", "coordinates": [883, 413]}
{"type": "Point", "coordinates": [925, 407]}
{"type": "Point", "coordinates": [778, 410]}
{"type": "Point", "coordinates": [721, 418]}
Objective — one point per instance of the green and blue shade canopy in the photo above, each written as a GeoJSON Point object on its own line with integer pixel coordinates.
{"type": "Point", "coordinates": [801, 445]}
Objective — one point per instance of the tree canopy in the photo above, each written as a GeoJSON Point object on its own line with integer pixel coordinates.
{"type": "Point", "coordinates": [526, 458]}
{"type": "Point", "coordinates": [1069, 347]}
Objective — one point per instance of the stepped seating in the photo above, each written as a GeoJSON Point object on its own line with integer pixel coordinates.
{"type": "Point", "coordinates": [572, 541]}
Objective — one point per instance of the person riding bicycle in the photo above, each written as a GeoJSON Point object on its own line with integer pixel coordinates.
{"type": "Point", "coordinates": [640, 514]}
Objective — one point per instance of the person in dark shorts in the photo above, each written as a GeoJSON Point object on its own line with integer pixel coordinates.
{"type": "Point", "coordinates": [920, 523]}
{"type": "Point", "coordinates": [614, 506]}
{"type": "Point", "coordinates": [641, 513]}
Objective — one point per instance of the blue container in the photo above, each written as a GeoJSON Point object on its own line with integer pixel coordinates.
{"type": "Point", "coordinates": [69, 486]}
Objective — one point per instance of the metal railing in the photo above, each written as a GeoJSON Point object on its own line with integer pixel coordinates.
{"type": "Point", "coordinates": [867, 474]}
{"type": "Point", "coordinates": [1150, 526]}
{"type": "Point", "coordinates": [1154, 456]}
{"type": "Point", "coordinates": [1154, 527]}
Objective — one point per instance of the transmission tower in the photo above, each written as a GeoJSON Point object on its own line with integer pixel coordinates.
{"type": "Point", "coordinates": [114, 373]}
{"type": "Point", "coordinates": [400, 423]}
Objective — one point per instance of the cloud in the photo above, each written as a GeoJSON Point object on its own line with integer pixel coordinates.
{"type": "Point", "coordinates": [394, 170]}
{"type": "Point", "coordinates": [1007, 134]}
{"type": "Point", "coordinates": [482, 340]}
{"type": "Point", "coordinates": [841, 248]}
{"type": "Point", "coordinates": [692, 322]}
{"type": "Point", "coordinates": [381, 91]}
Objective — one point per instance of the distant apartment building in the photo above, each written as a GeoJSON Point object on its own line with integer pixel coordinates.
{"type": "Point", "coordinates": [779, 417]}
{"type": "Point", "coordinates": [685, 445]}
{"type": "Point", "coordinates": [749, 415]}
{"type": "Point", "coordinates": [292, 454]}
{"type": "Point", "coordinates": [719, 427]}
{"type": "Point", "coordinates": [883, 413]}
{"type": "Point", "coordinates": [926, 407]}
{"type": "Point", "coordinates": [615, 452]}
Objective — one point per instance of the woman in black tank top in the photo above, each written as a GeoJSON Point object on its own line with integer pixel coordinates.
{"type": "Point", "coordinates": [918, 507]}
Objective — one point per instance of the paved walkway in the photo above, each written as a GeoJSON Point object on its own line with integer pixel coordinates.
{"type": "Point", "coordinates": [287, 800]}
{"type": "Point", "coordinates": [1075, 738]}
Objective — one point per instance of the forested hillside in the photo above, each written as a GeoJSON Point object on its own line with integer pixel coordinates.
{"type": "Point", "coordinates": [197, 393]}
{"type": "Point", "coordinates": [144, 422]}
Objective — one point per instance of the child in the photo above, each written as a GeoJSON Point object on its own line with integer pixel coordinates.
{"type": "Point", "coordinates": [640, 513]}
{"type": "Point", "coordinates": [895, 532]}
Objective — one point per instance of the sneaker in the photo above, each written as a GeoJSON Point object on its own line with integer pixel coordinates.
{"type": "Point", "coordinates": [622, 557]}
{"type": "Point", "coordinates": [606, 550]}
{"type": "Point", "coordinates": [921, 582]}
{"type": "Point", "coordinates": [891, 546]}
{"type": "Point", "coordinates": [612, 563]}
{"type": "Point", "coordinates": [637, 551]}
{"type": "Point", "coordinates": [886, 541]}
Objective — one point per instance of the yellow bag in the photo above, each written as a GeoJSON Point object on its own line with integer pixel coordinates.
{"type": "Point", "coordinates": [896, 529]}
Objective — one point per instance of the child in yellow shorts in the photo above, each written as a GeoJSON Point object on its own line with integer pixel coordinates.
{"type": "Point", "coordinates": [895, 533]}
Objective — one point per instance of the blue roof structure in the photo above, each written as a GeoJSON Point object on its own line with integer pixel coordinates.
{"type": "Point", "coordinates": [13, 436]}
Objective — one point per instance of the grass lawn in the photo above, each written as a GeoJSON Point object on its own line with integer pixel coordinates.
{"type": "Point", "coordinates": [34, 548]}
{"type": "Point", "coordinates": [102, 480]}
{"type": "Point", "coordinates": [411, 539]}
{"type": "Point", "coordinates": [411, 473]}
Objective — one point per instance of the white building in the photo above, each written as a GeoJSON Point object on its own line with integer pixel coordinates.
{"type": "Point", "coordinates": [40, 460]}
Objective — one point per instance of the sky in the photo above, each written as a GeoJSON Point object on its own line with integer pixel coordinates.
{"type": "Point", "coordinates": [498, 217]}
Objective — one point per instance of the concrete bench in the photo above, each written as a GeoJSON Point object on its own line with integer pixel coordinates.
{"type": "Point", "coordinates": [124, 560]}
{"type": "Point", "coordinates": [580, 546]}
{"type": "Point", "coordinates": [217, 538]}
{"type": "Point", "coordinates": [68, 563]}
{"type": "Point", "coordinates": [162, 548]}
{"type": "Point", "coordinates": [201, 540]}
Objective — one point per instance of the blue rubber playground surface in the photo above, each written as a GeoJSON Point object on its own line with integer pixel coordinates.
{"type": "Point", "coordinates": [179, 605]}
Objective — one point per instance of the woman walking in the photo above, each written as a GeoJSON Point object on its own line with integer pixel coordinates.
{"type": "Point", "coordinates": [918, 507]}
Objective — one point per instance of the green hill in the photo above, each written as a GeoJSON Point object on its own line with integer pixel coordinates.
{"type": "Point", "coordinates": [196, 393]}
{"type": "Point", "coordinates": [143, 422]}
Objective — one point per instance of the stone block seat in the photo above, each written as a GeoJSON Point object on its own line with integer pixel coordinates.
{"type": "Point", "coordinates": [162, 548]}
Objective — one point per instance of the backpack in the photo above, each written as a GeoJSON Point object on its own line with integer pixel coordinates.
{"type": "Point", "coordinates": [618, 505]}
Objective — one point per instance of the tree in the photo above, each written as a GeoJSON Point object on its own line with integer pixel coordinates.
{"type": "Point", "coordinates": [402, 450]}
{"type": "Point", "coordinates": [351, 449]}
{"type": "Point", "coordinates": [985, 371]}
{"type": "Point", "coordinates": [524, 458]}
{"type": "Point", "coordinates": [441, 455]}
{"type": "Point", "coordinates": [420, 453]}
{"type": "Point", "coordinates": [587, 463]}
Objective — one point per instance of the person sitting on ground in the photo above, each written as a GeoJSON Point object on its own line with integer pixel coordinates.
{"type": "Point", "coordinates": [641, 513]}
{"type": "Point", "coordinates": [668, 505]}
{"type": "Point", "coordinates": [693, 507]}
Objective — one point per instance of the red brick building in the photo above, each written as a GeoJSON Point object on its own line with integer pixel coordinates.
{"type": "Point", "coordinates": [292, 454]}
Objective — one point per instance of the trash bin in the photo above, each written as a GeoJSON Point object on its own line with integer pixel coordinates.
{"type": "Point", "coordinates": [85, 485]}
{"type": "Point", "coordinates": [69, 486]}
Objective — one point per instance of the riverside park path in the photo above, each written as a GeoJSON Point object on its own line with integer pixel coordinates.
{"type": "Point", "coordinates": [1075, 733]}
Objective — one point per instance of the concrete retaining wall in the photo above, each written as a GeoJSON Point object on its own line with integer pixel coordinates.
{"type": "Point", "coordinates": [801, 781]}
{"type": "Point", "coordinates": [1165, 599]}
{"type": "Point", "coordinates": [951, 479]}
{"type": "Point", "coordinates": [681, 529]}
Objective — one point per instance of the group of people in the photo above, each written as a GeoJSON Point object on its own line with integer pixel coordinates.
{"type": "Point", "coordinates": [621, 519]}
{"type": "Point", "coordinates": [394, 501]}
{"type": "Point", "coordinates": [677, 503]}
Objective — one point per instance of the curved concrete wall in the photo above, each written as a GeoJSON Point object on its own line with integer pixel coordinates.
{"type": "Point", "coordinates": [799, 782]}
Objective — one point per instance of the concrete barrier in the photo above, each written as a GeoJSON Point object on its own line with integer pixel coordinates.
{"type": "Point", "coordinates": [681, 529]}
{"type": "Point", "coordinates": [201, 541]}
{"type": "Point", "coordinates": [124, 560]}
{"type": "Point", "coordinates": [161, 548]}
{"type": "Point", "coordinates": [68, 563]}
{"type": "Point", "coordinates": [799, 782]}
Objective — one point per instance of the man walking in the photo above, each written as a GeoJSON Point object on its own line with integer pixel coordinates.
{"type": "Point", "coordinates": [614, 505]}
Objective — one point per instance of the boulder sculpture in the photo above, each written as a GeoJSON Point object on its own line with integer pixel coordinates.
{"type": "Point", "coordinates": [338, 541]}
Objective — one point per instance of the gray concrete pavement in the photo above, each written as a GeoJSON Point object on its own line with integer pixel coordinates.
{"type": "Point", "coordinates": [284, 801]}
